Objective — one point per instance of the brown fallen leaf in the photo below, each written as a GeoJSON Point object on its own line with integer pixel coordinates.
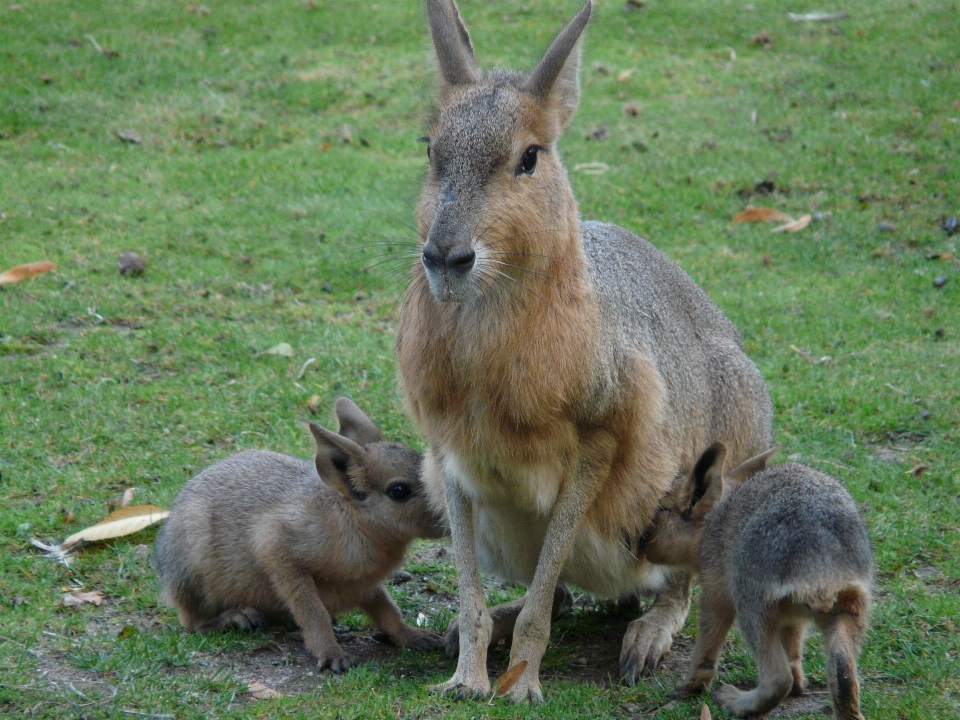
{"type": "Point", "coordinates": [510, 677]}
{"type": "Point", "coordinates": [119, 523]}
{"type": "Point", "coordinates": [918, 470]}
{"type": "Point", "coordinates": [761, 214]}
{"type": "Point", "coordinates": [24, 272]}
{"type": "Point", "coordinates": [794, 225]}
{"type": "Point", "coordinates": [625, 74]}
{"type": "Point", "coordinates": [259, 691]}
{"type": "Point", "coordinates": [130, 137]}
{"type": "Point", "coordinates": [705, 712]}
{"type": "Point", "coordinates": [763, 39]}
{"type": "Point", "coordinates": [77, 598]}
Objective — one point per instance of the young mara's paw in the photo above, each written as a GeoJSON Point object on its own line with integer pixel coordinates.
{"type": "Point", "coordinates": [688, 689]}
{"type": "Point", "coordinates": [337, 661]}
{"type": "Point", "coordinates": [421, 640]}
{"type": "Point", "coordinates": [732, 700]}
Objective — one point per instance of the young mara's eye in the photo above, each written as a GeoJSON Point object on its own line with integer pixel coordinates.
{"type": "Point", "coordinates": [399, 492]}
{"type": "Point", "coordinates": [528, 163]}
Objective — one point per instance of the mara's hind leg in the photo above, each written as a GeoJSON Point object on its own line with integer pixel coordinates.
{"type": "Point", "coordinates": [774, 678]}
{"type": "Point", "coordinates": [792, 636]}
{"type": "Point", "coordinates": [647, 640]}
{"type": "Point", "coordinates": [843, 632]}
{"type": "Point", "coordinates": [504, 617]}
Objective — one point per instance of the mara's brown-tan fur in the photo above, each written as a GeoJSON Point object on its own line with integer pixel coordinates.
{"type": "Point", "coordinates": [260, 535]}
{"type": "Point", "coordinates": [777, 549]}
{"type": "Point", "coordinates": [564, 372]}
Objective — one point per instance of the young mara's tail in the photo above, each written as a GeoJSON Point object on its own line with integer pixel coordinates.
{"type": "Point", "coordinates": [844, 634]}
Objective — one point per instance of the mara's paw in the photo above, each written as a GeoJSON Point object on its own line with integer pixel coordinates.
{"type": "Point", "coordinates": [525, 689]}
{"type": "Point", "coordinates": [337, 662]}
{"type": "Point", "coordinates": [645, 644]}
{"type": "Point", "coordinates": [461, 688]}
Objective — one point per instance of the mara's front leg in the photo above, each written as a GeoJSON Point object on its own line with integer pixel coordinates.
{"type": "Point", "coordinates": [471, 678]}
{"type": "Point", "coordinates": [648, 640]}
{"type": "Point", "coordinates": [532, 631]}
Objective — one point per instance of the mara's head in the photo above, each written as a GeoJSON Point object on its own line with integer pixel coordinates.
{"type": "Point", "coordinates": [496, 206]}
{"type": "Point", "coordinates": [380, 479]}
{"type": "Point", "coordinates": [675, 535]}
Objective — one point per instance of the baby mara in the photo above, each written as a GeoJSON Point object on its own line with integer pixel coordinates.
{"type": "Point", "coordinates": [261, 536]}
{"type": "Point", "coordinates": [777, 549]}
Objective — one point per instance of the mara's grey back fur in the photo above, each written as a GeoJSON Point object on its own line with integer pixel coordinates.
{"type": "Point", "coordinates": [650, 304]}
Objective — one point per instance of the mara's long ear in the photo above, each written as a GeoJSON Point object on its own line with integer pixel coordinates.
{"type": "Point", "coordinates": [452, 43]}
{"type": "Point", "coordinates": [336, 456]}
{"type": "Point", "coordinates": [555, 82]}
{"type": "Point", "coordinates": [744, 470]}
{"type": "Point", "coordinates": [354, 424]}
{"type": "Point", "coordinates": [708, 480]}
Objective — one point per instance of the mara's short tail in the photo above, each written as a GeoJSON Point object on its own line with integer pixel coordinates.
{"type": "Point", "coordinates": [844, 633]}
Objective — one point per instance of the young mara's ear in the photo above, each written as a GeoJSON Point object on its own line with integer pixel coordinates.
{"type": "Point", "coordinates": [744, 470]}
{"type": "Point", "coordinates": [708, 479]}
{"type": "Point", "coordinates": [336, 455]}
{"type": "Point", "coordinates": [555, 82]}
{"type": "Point", "coordinates": [452, 43]}
{"type": "Point", "coordinates": [354, 424]}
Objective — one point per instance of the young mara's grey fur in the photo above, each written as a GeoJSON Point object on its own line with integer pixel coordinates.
{"type": "Point", "coordinates": [563, 372]}
{"type": "Point", "coordinates": [777, 551]}
{"type": "Point", "coordinates": [260, 535]}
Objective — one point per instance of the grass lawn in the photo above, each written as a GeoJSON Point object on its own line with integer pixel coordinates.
{"type": "Point", "coordinates": [268, 175]}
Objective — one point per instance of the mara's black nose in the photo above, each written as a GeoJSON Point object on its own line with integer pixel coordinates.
{"type": "Point", "coordinates": [459, 261]}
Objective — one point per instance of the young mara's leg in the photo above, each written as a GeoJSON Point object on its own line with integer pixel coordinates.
{"type": "Point", "coordinates": [470, 678]}
{"type": "Point", "coordinates": [386, 617]}
{"type": "Point", "coordinates": [791, 636]}
{"type": "Point", "coordinates": [761, 631]}
{"type": "Point", "coordinates": [647, 640]}
{"type": "Point", "coordinates": [504, 618]}
{"type": "Point", "coordinates": [717, 614]}
{"type": "Point", "coordinates": [243, 618]}
{"type": "Point", "coordinates": [302, 598]}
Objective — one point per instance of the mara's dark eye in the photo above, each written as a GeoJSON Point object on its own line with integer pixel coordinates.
{"type": "Point", "coordinates": [528, 163]}
{"type": "Point", "coordinates": [399, 492]}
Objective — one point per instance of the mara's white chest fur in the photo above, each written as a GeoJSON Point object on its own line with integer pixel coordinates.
{"type": "Point", "coordinates": [511, 512]}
